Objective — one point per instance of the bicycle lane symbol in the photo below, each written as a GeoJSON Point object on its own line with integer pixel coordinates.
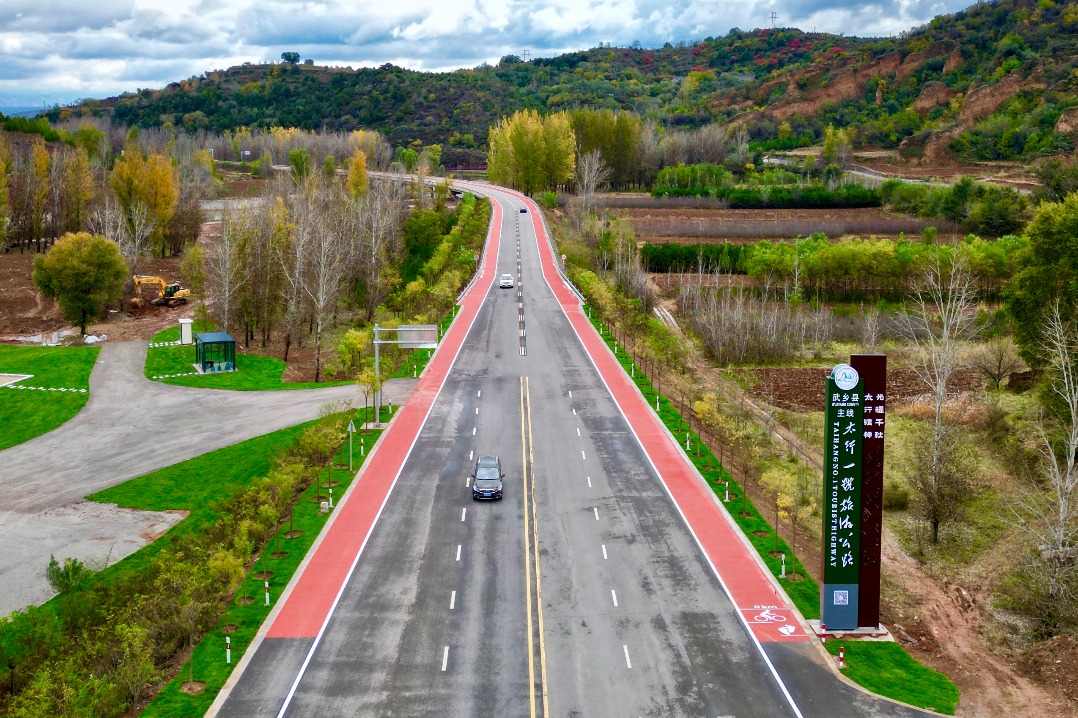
{"type": "Point", "coordinates": [784, 626]}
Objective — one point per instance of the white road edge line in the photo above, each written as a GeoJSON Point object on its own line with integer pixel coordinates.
{"type": "Point", "coordinates": [625, 649]}
{"type": "Point", "coordinates": [725, 588]}
{"type": "Point", "coordinates": [445, 657]}
{"type": "Point", "coordinates": [355, 562]}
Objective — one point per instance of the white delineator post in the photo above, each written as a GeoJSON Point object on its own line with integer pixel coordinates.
{"type": "Point", "coordinates": [266, 583]}
{"type": "Point", "coordinates": [842, 657]}
{"type": "Point", "coordinates": [228, 649]}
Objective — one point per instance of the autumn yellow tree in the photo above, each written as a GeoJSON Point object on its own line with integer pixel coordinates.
{"type": "Point", "coordinates": [5, 168]}
{"type": "Point", "coordinates": [40, 160]}
{"type": "Point", "coordinates": [78, 189]}
{"type": "Point", "coordinates": [530, 152]}
{"type": "Point", "coordinates": [357, 174]}
{"type": "Point", "coordinates": [147, 191]}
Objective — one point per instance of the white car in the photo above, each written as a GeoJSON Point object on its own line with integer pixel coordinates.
{"type": "Point", "coordinates": [506, 281]}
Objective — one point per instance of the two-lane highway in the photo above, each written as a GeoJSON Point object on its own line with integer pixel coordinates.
{"type": "Point", "coordinates": [584, 592]}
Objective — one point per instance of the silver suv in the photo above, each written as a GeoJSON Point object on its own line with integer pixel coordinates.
{"type": "Point", "coordinates": [506, 281]}
{"type": "Point", "coordinates": [487, 478]}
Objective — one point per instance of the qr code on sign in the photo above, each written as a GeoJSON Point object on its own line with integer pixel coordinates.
{"type": "Point", "coordinates": [842, 598]}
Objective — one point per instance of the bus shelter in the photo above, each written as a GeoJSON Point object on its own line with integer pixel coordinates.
{"type": "Point", "coordinates": [214, 352]}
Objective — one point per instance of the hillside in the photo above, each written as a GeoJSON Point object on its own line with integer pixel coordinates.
{"type": "Point", "coordinates": [993, 82]}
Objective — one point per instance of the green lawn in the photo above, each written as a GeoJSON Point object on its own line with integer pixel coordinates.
{"type": "Point", "coordinates": [804, 591]}
{"type": "Point", "coordinates": [254, 373]}
{"type": "Point", "coordinates": [195, 485]}
{"type": "Point", "coordinates": [883, 668]}
{"type": "Point", "coordinates": [28, 413]}
{"type": "Point", "coordinates": [886, 669]}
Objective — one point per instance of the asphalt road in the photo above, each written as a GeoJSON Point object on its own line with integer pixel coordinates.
{"type": "Point", "coordinates": [581, 593]}
{"type": "Point", "coordinates": [129, 427]}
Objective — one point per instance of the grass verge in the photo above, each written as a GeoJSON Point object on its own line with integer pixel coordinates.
{"type": "Point", "coordinates": [883, 668]}
{"type": "Point", "coordinates": [28, 413]}
{"type": "Point", "coordinates": [196, 485]}
{"type": "Point", "coordinates": [174, 364]}
{"type": "Point", "coordinates": [886, 669]}
{"type": "Point", "coordinates": [802, 589]}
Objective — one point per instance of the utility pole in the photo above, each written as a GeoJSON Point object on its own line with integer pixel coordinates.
{"type": "Point", "coordinates": [774, 17]}
{"type": "Point", "coordinates": [526, 53]}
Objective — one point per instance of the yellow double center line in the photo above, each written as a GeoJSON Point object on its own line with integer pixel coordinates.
{"type": "Point", "coordinates": [531, 550]}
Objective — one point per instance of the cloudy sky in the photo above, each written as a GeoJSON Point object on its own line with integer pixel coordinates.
{"type": "Point", "coordinates": [57, 51]}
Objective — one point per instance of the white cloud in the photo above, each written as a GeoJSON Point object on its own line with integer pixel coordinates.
{"type": "Point", "coordinates": [58, 51]}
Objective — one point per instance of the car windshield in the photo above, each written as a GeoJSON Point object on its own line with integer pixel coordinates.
{"type": "Point", "coordinates": [484, 473]}
{"type": "Point", "coordinates": [507, 276]}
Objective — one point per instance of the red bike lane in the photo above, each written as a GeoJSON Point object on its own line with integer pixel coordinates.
{"type": "Point", "coordinates": [307, 605]}
{"type": "Point", "coordinates": [763, 608]}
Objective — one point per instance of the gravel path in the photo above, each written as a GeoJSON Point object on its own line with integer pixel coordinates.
{"type": "Point", "coordinates": [129, 427]}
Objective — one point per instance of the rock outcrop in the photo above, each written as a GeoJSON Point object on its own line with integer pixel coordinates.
{"type": "Point", "coordinates": [1068, 121]}
{"type": "Point", "coordinates": [915, 60]}
{"type": "Point", "coordinates": [984, 100]}
{"type": "Point", "coordinates": [933, 94]}
{"type": "Point", "coordinates": [843, 86]}
{"type": "Point", "coordinates": [954, 61]}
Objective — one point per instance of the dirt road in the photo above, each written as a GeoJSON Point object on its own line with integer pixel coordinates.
{"type": "Point", "coordinates": [129, 426]}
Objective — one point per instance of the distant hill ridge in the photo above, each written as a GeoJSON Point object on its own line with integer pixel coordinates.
{"type": "Point", "coordinates": [993, 82]}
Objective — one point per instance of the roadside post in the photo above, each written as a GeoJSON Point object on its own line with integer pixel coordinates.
{"type": "Point", "coordinates": [228, 649]}
{"type": "Point", "coordinates": [266, 584]}
{"type": "Point", "coordinates": [351, 431]}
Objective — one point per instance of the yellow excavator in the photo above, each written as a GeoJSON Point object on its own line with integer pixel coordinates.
{"type": "Point", "coordinates": [171, 294]}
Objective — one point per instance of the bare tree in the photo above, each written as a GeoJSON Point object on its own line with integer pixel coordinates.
{"type": "Point", "coordinates": [378, 239]}
{"type": "Point", "coordinates": [1052, 514]}
{"type": "Point", "coordinates": [292, 257]}
{"type": "Point", "coordinates": [997, 359]}
{"type": "Point", "coordinates": [870, 329]}
{"type": "Point", "coordinates": [941, 318]}
{"type": "Point", "coordinates": [225, 274]}
{"type": "Point", "coordinates": [327, 252]}
{"type": "Point", "coordinates": [591, 175]}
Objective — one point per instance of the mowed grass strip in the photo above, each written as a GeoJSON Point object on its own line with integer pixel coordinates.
{"type": "Point", "coordinates": [28, 413]}
{"type": "Point", "coordinates": [248, 609]}
{"type": "Point", "coordinates": [196, 486]}
{"type": "Point", "coordinates": [887, 669]}
{"type": "Point", "coordinates": [883, 668]}
{"type": "Point", "coordinates": [254, 373]}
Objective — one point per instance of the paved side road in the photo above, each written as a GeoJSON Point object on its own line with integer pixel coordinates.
{"type": "Point", "coordinates": [129, 426]}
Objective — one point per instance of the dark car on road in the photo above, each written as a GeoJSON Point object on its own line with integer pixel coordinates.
{"type": "Point", "coordinates": [487, 478]}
